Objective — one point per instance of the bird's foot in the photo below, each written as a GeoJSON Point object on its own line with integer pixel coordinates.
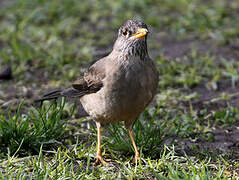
{"type": "Point", "coordinates": [99, 160]}
{"type": "Point", "coordinates": [136, 158]}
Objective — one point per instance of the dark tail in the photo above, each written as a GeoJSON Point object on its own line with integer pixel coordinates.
{"type": "Point", "coordinates": [75, 91]}
{"type": "Point", "coordinates": [70, 92]}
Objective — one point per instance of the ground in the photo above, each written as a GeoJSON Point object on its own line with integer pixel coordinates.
{"type": "Point", "coordinates": [189, 131]}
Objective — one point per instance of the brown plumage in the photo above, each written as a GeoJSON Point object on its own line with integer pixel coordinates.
{"type": "Point", "coordinates": [119, 86]}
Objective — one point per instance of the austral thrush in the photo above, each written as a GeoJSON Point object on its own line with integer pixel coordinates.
{"type": "Point", "coordinates": [119, 86]}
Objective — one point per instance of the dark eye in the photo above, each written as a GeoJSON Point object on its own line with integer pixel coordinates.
{"type": "Point", "coordinates": [125, 32]}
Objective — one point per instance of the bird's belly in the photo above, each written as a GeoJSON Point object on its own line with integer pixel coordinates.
{"type": "Point", "coordinates": [117, 102]}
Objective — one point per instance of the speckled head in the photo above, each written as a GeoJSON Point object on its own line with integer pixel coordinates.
{"type": "Point", "coordinates": [132, 28]}
{"type": "Point", "coordinates": [132, 38]}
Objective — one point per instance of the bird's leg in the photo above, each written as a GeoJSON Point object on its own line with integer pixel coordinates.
{"type": "Point", "coordinates": [99, 157]}
{"type": "Point", "coordinates": [135, 147]}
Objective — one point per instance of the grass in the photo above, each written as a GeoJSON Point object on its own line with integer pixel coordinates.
{"type": "Point", "coordinates": [25, 133]}
{"type": "Point", "coordinates": [48, 44]}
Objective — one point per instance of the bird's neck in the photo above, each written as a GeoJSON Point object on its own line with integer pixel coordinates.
{"type": "Point", "coordinates": [129, 51]}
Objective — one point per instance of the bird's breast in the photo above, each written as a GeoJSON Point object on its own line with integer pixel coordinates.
{"type": "Point", "coordinates": [127, 90]}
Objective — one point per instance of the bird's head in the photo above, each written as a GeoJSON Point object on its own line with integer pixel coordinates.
{"type": "Point", "coordinates": [132, 38]}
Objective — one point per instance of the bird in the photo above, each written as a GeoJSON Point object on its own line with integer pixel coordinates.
{"type": "Point", "coordinates": [117, 87]}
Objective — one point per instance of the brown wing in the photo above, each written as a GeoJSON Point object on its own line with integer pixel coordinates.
{"type": "Point", "coordinates": [92, 79]}
{"type": "Point", "coordinates": [91, 82]}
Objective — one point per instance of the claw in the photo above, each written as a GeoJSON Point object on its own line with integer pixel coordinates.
{"type": "Point", "coordinates": [99, 160]}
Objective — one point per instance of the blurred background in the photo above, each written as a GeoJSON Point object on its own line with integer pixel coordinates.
{"type": "Point", "coordinates": [46, 44]}
{"type": "Point", "coordinates": [52, 40]}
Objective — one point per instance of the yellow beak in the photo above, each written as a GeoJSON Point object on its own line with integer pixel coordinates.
{"type": "Point", "coordinates": [140, 33]}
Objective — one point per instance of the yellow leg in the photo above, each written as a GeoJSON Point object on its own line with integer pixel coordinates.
{"type": "Point", "coordinates": [99, 157]}
{"type": "Point", "coordinates": [135, 147]}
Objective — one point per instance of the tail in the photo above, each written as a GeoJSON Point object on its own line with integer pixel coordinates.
{"type": "Point", "coordinates": [70, 92]}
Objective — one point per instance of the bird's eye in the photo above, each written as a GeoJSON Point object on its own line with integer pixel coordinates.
{"type": "Point", "coordinates": [125, 33]}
